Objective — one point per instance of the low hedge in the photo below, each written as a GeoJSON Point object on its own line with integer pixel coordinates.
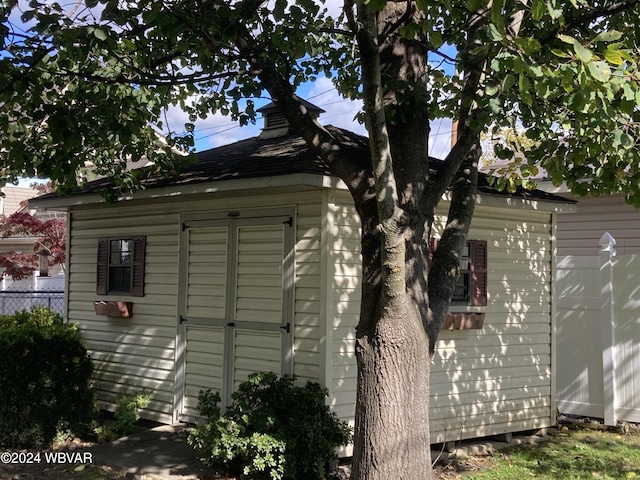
{"type": "Point", "coordinates": [45, 375]}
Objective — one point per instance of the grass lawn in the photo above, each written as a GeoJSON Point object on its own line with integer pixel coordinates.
{"type": "Point", "coordinates": [570, 454]}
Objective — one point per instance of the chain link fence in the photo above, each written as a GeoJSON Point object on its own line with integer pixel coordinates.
{"type": "Point", "coordinates": [12, 301]}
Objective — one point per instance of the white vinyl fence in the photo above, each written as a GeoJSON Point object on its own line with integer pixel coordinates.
{"type": "Point", "coordinates": [598, 335]}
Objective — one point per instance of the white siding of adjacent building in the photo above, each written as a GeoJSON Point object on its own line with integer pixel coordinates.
{"type": "Point", "coordinates": [13, 198]}
{"type": "Point", "coordinates": [579, 232]}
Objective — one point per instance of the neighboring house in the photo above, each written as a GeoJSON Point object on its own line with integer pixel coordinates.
{"type": "Point", "coordinates": [579, 231]}
{"type": "Point", "coordinates": [250, 260]}
{"type": "Point", "coordinates": [14, 199]}
{"type": "Point", "coordinates": [43, 287]}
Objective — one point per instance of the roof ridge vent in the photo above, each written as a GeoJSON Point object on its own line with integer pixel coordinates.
{"type": "Point", "coordinates": [275, 123]}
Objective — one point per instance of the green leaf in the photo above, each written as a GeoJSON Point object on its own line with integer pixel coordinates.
{"type": "Point", "coordinates": [475, 5]}
{"type": "Point", "coordinates": [613, 56]}
{"type": "Point", "coordinates": [494, 34]}
{"type": "Point", "coordinates": [567, 39]}
{"type": "Point", "coordinates": [497, 17]}
{"type": "Point", "coordinates": [435, 38]}
{"type": "Point", "coordinates": [523, 83]}
{"type": "Point", "coordinates": [528, 45]}
{"type": "Point", "coordinates": [560, 53]}
{"type": "Point", "coordinates": [626, 141]}
{"type": "Point", "coordinates": [584, 54]}
{"type": "Point", "coordinates": [28, 16]}
{"type": "Point", "coordinates": [495, 105]}
{"type": "Point", "coordinates": [610, 36]}
{"type": "Point", "coordinates": [600, 71]}
{"type": "Point", "coordinates": [491, 90]}
{"type": "Point", "coordinates": [554, 11]}
{"type": "Point", "coordinates": [508, 81]}
{"type": "Point", "coordinates": [376, 5]}
{"type": "Point", "coordinates": [538, 9]}
{"type": "Point", "coordinates": [100, 34]}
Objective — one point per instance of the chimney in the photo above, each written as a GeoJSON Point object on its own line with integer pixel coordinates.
{"type": "Point", "coordinates": [454, 133]}
{"type": "Point", "coordinates": [275, 125]}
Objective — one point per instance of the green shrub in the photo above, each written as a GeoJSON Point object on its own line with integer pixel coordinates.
{"type": "Point", "coordinates": [272, 427]}
{"type": "Point", "coordinates": [126, 415]}
{"type": "Point", "coordinates": [45, 376]}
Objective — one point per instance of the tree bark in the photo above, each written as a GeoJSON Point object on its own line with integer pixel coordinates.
{"type": "Point", "coordinates": [391, 439]}
{"type": "Point", "coordinates": [395, 197]}
{"type": "Point", "coordinates": [392, 407]}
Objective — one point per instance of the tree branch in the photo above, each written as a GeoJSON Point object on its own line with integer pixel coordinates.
{"type": "Point", "coordinates": [585, 19]}
{"type": "Point", "coordinates": [154, 80]}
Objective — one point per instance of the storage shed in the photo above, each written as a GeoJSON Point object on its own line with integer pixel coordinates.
{"type": "Point", "coordinates": [249, 261]}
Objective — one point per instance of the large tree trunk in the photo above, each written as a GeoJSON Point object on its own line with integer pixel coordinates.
{"type": "Point", "coordinates": [396, 197]}
{"type": "Point", "coordinates": [392, 347]}
{"type": "Point", "coordinates": [392, 408]}
{"type": "Point", "coordinates": [391, 440]}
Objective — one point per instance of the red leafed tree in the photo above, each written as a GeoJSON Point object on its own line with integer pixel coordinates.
{"type": "Point", "coordinates": [49, 234]}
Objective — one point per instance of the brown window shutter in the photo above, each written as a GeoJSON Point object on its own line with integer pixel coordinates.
{"type": "Point", "coordinates": [102, 277]}
{"type": "Point", "coordinates": [137, 281]}
{"type": "Point", "coordinates": [478, 287]}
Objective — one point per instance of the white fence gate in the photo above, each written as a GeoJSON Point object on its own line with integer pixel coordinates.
{"type": "Point", "coordinates": [598, 335]}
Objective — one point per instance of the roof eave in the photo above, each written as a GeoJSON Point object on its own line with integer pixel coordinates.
{"type": "Point", "coordinates": [301, 181]}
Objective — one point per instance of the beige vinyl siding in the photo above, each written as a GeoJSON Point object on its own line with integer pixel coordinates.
{"type": "Point", "coordinates": [484, 382]}
{"type": "Point", "coordinates": [258, 299]}
{"type": "Point", "coordinates": [308, 335]}
{"type": "Point", "coordinates": [207, 267]}
{"type": "Point", "coordinates": [579, 233]}
{"type": "Point", "coordinates": [345, 263]}
{"type": "Point", "coordinates": [139, 352]}
{"type": "Point", "coordinates": [499, 379]}
{"type": "Point", "coordinates": [205, 298]}
{"type": "Point", "coordinates": [259, 275]}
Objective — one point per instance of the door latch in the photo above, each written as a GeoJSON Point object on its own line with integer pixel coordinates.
{"type": "Point", "coordinates": [286, 327]}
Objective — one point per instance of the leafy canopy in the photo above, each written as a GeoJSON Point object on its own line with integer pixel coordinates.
{"type": "Point", "coordinates": [92, 80]}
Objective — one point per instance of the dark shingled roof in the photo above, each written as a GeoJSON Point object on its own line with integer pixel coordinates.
{"type": "Point", "coordinates": [257, 157]}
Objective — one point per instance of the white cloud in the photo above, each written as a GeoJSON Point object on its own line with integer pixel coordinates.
{"type": "Point", "coordinates": [440, 138]}
{"type": "Point", "coordinates": [334, 7]}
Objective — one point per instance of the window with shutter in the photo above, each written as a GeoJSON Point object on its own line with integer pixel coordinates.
{"type": "Point", "coordinates": [471, 288]}
{"type": "Point", "coordinates": [120, 266]}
